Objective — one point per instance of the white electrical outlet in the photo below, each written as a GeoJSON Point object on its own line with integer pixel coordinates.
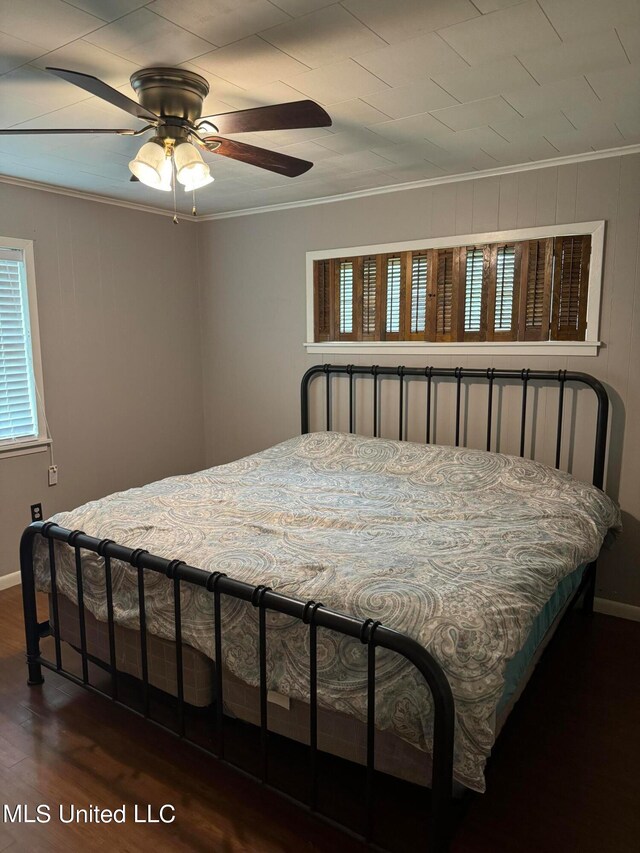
{"type": "Point", "coordinates": [53, 475]}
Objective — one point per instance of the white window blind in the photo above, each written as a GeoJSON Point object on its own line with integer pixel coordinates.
{"type": "Point", "coordinates": [18, 408]}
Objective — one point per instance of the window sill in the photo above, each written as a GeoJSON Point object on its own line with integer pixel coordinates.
{"type": "Point", "coordinates": [519, 348]}
{"type": "Point", "coordinates": [23, 448]}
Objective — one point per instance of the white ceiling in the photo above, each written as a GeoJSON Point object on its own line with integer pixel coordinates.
{"type": "Point", "coordinates": [417, 89]}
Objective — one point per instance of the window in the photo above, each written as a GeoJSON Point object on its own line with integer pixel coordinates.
{"type": "Point", "coordinates": [22, 422]}
{"type": "Point", "coordinates": [530, 286]}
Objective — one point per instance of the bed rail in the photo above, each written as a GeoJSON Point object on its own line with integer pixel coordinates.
{"type": "Point", "coordinates": [371, 633]}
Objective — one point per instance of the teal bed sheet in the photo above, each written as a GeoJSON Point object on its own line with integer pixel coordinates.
{"type": "Point", "coordinates": [518, 665]}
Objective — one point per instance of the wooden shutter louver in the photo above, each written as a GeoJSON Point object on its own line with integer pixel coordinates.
{"type": "Point", "coordinates": [535, 292]}
{"type": "Point", "coordinates": [473, 291]}
{"type": "Point", "coordinates": [346, 281]}
{"type": "Point", "coordinates": [570, 283]}
{"type": "Point", "coordinates": [476, 278]}
{"type": "Point", "coordinates": [503, 292]}
{"type": "Point", "coordinates": [394, 290]}
{"type": "Point", "coordinates": [505, 269]}
{"type": "Point", "coordinates": [369, 296]}
{"type": "Point", "coordinates": [445, 295]}
{"type": "Point", "coordinates": [419, 276]}
{"type": "Point", "coordinates": [322, 301]}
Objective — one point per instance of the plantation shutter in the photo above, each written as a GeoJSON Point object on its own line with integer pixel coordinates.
{"type": "Point", "coordinates": [393, 293]}
{"type": "Point", "coordinates": [18, 410]}
{"type": "Point", "coordinates": [445, 315]}
{"type": "Point", "coordinates": [530, 290]}
{"type": "Point", "coordinates": [348, 297]}
{"type": "Point", "coordinates": [535, 290]}
{"type": "Point", "coordinates": [323, 301]}
{"type": "Point", "coordinates": [369, 297]}
{"type": "Point", "coordinates": [476, 274]}
{"type": "Point", "coordinates": [503, 292]}
{"type": "Point", "coordinates": [416, 303]}
{"type": "Point", "coordinates": [570, 283]}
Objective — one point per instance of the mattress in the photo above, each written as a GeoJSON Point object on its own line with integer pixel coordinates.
{"type": "Point", "coordinates": [460, 549]}
{"type": "Point", "coordinates": [337, 733]}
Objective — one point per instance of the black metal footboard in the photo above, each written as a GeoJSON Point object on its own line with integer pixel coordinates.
{"type": "Point", "coordinates": [315, 615]}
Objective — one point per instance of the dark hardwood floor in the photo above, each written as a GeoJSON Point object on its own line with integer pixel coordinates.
{"type": "Point", "coordinates": [564, 777]}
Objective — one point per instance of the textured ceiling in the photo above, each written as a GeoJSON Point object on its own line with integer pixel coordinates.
{"type": "Point", "coordinates": [416, 88]}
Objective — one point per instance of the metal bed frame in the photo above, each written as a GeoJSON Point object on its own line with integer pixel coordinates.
{"type": "Point", "coordinates": [371, 633]}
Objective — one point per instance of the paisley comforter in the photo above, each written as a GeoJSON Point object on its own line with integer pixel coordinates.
{"type": "Point", "coordinates": [458, 548]}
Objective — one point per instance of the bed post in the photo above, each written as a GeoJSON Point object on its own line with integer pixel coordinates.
{"type": "Point", "coordinates": [31, 627]}
{"type": "Point", "coordinates": [602, 424]}
{"type": "Point", "coordinates": [589, 588]}
{"type": "Point", "coordinates": [304, 394]}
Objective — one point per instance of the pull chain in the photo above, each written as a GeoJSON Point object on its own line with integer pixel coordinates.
{"type": "Point", "coordinates": [173, 186]}
{"type": "Point", "coordinates": [194, 211]}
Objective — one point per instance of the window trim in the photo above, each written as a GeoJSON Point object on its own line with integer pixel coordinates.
{"type": "Point", "coordinates": [31, 444]}
{"type": "Point", "coordinates": [588, 347]}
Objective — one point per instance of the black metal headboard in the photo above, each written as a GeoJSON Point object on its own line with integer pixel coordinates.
{"type": "Point", "coordinates": [462, 374]}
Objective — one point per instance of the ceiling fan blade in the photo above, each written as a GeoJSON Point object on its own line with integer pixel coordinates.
{"type": "Point", "coordinates": [282, 164]}
{"type": "Point", "coordinates": [103, 90]}
{"type": "Point", "coordinates": [291, 116]}
{"type": "Point", "coordinates": [37, 130]}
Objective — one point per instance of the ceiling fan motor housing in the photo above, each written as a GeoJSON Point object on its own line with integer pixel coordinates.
{"type": "Point", "coordinates": [171, 92]}
{"type": "Point", "coordinates": [170, 100]}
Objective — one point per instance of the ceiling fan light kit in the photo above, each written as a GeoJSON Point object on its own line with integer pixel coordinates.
{"type": "Point", "coordinates": [170, 102]}
{"type": "Point", "coordinates": [154, 163]}
{"type": "Point", "coordinates": [191, 170]}
{"type": "Point", "coordinates": [148, 164]}
{"type": "Point", "coordinates": [188, 188]}
{"type": "Point", "coordinates": [166, 176]}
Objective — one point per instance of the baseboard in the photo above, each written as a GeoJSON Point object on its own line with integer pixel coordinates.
{"type": "Point", "coordinates": [7, 581]}
{"type": "Point", "coordinates": [616, 608]}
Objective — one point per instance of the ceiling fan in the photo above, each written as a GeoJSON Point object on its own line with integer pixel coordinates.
{"type": "Point", "coordinates": [170, 102]}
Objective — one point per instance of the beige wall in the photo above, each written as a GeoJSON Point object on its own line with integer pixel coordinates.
{"type": "Point", "coordinates": [252, 286]}
{"type": "Point", "coordinates": [120, 350]}
{"type": "Point", "coordinates": [121, 326]}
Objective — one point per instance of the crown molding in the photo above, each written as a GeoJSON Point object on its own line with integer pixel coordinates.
{"type": "Point", "coordinates": [102, 199]}
{"type": "Point", "coordinates": [431, 182]}
{"type": "Point", "coordinates": [392, 188]}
